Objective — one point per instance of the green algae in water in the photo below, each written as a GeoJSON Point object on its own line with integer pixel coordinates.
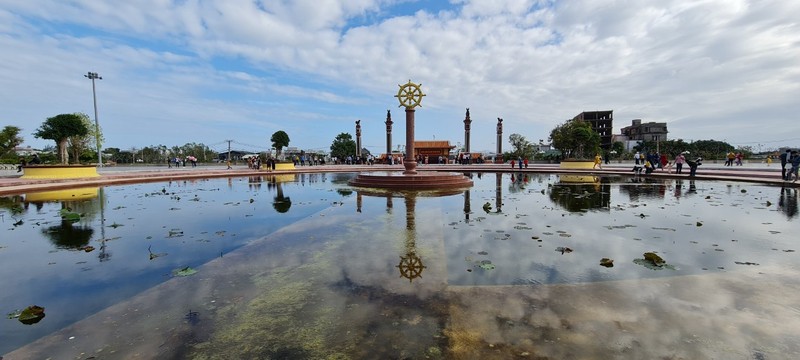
{"type": "Point", "coordinates": [187, 271]}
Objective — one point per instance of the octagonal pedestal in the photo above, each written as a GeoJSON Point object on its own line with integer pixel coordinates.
{"type": "Point", "coordinates": [419, 181]}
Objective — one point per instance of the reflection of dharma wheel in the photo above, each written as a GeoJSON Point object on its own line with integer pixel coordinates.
{"type": "Point", "coordinates": [410, 266]}
{"type": "Point", "coordinates": [410, 95]}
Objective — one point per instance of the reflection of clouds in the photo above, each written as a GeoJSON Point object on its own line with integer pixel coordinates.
{"type": "Point", "coordinates": [691, 317]}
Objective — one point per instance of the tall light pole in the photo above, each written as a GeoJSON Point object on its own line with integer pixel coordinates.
{"type": "Point", "coordinates": [93, 76]}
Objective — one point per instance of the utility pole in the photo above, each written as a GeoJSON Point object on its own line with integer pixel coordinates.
{"type": "Point", "coordinates": [93, 76]}
{"type": "Point", "coordinates": [229, 150]}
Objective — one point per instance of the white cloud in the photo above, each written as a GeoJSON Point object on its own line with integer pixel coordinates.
{"type": "Point", "coordinates": [712, 64]}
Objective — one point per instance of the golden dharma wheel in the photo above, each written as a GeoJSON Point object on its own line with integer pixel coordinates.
{"type": "Point", "coordinates": [410, 95]}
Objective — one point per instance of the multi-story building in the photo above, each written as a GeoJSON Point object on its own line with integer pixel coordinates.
{"type": "Point", "coordinates": [602, 123]}
{"type": "Point", "coordinates": [649, 131]}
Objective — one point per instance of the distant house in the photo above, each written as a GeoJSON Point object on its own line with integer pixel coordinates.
{"type": "Point", "coordinates": [235, 155]}
{"type": "Point", "coordinates": [638, 131]}
{"type": "Point", "coordinates": [26, 151]}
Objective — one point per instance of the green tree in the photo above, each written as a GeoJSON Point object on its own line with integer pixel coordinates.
{"type": "Point", "coordinates": [343, 145]}
{"type": "Point", "coordinates": [521, 147]}
{"type": "Point", "coordinates": [85, 146]}
{"type": "Point", "coordinates": [9, 139]}
{"type": "Point", "coordinates": [280, 140]}
{"type": "Point", "coordinates": [618, 148]}
{"type": "Point", "coordinates": [575, 139]}
{"type": "Point", "coordinates": [60, 128]}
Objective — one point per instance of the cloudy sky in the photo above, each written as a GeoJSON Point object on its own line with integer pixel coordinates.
{"type": "Point", "coordinates": [207, 71]}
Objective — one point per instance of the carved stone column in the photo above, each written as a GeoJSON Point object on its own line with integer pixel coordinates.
{"type": "Point", "coordinates": [389, 134]}
{"type": "Point", "coordinates": [467, 123]}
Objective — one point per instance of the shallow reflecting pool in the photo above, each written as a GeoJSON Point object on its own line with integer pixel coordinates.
{"type": "Point", "coordinates": [304, 266]}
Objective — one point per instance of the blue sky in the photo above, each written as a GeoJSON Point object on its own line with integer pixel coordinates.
{"type": "Point", "coordinates": [207, 71]}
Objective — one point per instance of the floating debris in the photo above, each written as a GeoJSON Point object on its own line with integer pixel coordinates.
{"type": "Point", "coordinates": [69, 216]}
{"type": "Point", "coordinates": [699, 224]}
{"type": "Point", "coordinates": [187, 271]}
{"type": "Point", "coordinates": [653, 261]}
{"type": "Point", "coordinates": [745, 263]}
{"type": "Point", "coordinates": [654, 258]}
{"type": "Point", "coordinates": [660, 228]}
{"type": "Point", "coordinates": [487, 207]}
{"type": "Point", "coordinates": [563, 250]}
{"type": "Point", "coordinates": [486, 265]}
{"type": "Point", "coordinates": [87, 248]}
{"type": "Point", "coordinates": [31, 315]}
{"type": "Point", "coordinates": [607, 262]}
{"type": "Point", "coordinates": [483, 253]}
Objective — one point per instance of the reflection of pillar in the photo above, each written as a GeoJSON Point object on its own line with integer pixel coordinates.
{"type": "Point", "coordinates": [103, 255]}
{"type": "Point", "coordinates": [467, 209]}
{"type": "Point", "coordinates": [498, 194]}
{"type": "Point", "coordinates": [500, 137]}
{"type": "Point", "coordinates": [358, 138]}
{"type": "Point", "coordinates": [389, 133]}
{"type": "Point", "coordinates": [411, 205]}
{"type": "Point", "coordinates": [358, 202]}
{"type": "Point", "coordinates": [410, 163]}
{"type": "Point", "coordinates": [389, 204]}
{"type": "Point", "coordinates": [467, 122]}
{"type": "Point", "coordinates": [410, 266]}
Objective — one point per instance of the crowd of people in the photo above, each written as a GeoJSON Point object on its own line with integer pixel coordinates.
{"type": "Point", "coordinates": [651, 161]}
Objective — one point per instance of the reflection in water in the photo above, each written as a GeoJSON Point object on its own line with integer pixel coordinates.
{"type": "Point", "coordinates": [498, 188]}
{"type": "Point", "coordinates": [787, 202]}
{"type": "Point", "coordinates": [581, 193]}
{"type": "Point", "coordinates": [280, 203]}
{"type": "Point", "coordinates": [79, 207]}
{"type": "Point", "coordinates": [410, 265]}
{"type": "Point", "coordinates": [325, 283]}
{"type": "Point", "coordinates": [467, 206]}
{"type": "Point", "coordinates": [68, 235]}
{"type": "Point", "coordinates": [641, 188]}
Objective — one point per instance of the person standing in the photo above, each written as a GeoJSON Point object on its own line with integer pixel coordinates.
{"type": "Point", "coordinates": [693, 166]}
{"type": "Point", "coordinates": [730, 156]}
{"type": "Point", "coordinates": [597, 160]}
{"type": "Point", "coordinates": [784, 160]}
{"type": "Point", "coordinates": [795, 161]}
{"type": "Point", "coordinates": [679, 160]}
{"type": "Point", "coordinates": [636, 157]}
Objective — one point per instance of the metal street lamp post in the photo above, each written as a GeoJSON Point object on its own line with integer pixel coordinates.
{"type": "Point", "coordinates": [92, 76]}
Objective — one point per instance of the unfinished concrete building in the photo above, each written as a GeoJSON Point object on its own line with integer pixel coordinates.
{"type": "Point", "coordinates": [602, 123]}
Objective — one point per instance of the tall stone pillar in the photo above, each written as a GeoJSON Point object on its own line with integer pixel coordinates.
{"type": "Point", "coordinates": [410, 162]}
{"type": "Point", "coordinates": [467, 123]}
{"type": "Point", "coordinates": [500, 139]}
{"type": "Point", "coordinates": [389, 133]}
{"type": "Point", "coordinates": [358, 139]}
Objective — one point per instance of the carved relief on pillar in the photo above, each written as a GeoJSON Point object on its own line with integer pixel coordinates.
{"type": "Point", "coordinates": [467, 122]}
{"type": "Point", "coordinates": [358, 127]}
{"type": "Point", "coordinates": [499, 126]}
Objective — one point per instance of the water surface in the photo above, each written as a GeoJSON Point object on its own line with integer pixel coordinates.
{"type": "Point", "coordinates": [308, 267]}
